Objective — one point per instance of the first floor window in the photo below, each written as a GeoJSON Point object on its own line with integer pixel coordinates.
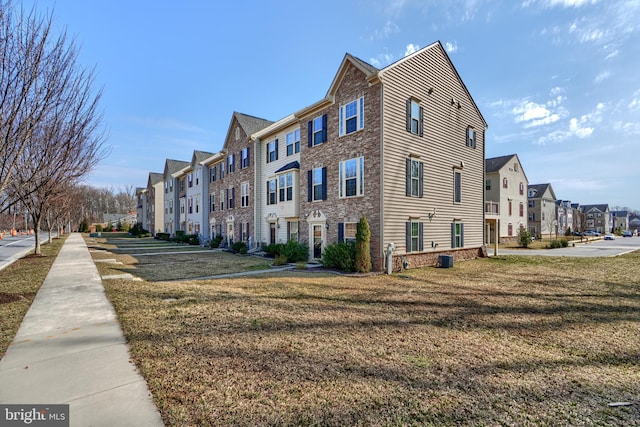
{"type": "Point", "coordinates": [457, 235]}
{"type": "Point", "coordinates": [521, 209]}
{"type": "Point", "coordinates": [414, 236]}
{"type": "Point", "coordinates": [272, 186]}
{"type": "Point", "coordinates": [352, 177]}
{"type": "Point", "coordinates": [487, 185]}
{"type": "Point", "coordinates": [292, 230]}
{"type": "Point", "coordinates": [244, 230]}
{"type": "Point", "coordinates": [347, 231]}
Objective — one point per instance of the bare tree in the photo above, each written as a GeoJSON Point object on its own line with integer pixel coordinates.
{"type": "Point", "coordinates": [30, 82]}
{"type": "Point", "coordinates": [66, 142]}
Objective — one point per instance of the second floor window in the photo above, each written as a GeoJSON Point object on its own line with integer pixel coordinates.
{"type": "Point", "coordinates": [293, 142]}
{"type": "Point", "coordinates": [286, 187]}
{"type": "Point", "coordinates": [213, 172]}
{"type": "Point", "coordinates": [505, 183]}
{"type": "Point", "coordinates": [457, 187]}
{"type": "Point", "coordinates": [414, 178]}
{"type": "Point", "coordinates": [244, 194]}
{"type": "Point", "coordinates": [190, 179]}
{"type": "Point", "coordinates": [317, 184]}
{"type": "Point", "coordinates": [352, 117]}
{"type": "Point", "coordinates": [352, 177]}
{"type": "Point", "coordinates": [272, 186]}
{"type": "Point", "coordinates": [212, 202]}
{"type": "Point", "coordinates": [231, 163]}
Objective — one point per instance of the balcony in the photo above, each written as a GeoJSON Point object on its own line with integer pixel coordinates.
{"type": "Point", "coordinates": [491, 208]}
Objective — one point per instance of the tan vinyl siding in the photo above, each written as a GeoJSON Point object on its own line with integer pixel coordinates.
{"type": "Point", "coordinates": [441, 149]}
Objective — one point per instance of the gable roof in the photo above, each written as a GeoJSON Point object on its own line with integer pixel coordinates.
{"type": "Point", "coordinates": [494, 164]}
{"type": "Point", "coordinates": [155, 177]}
{"type": "Point", "coordinates": [540, 190]}
{"type": "Point", "coordinates": [199, 156]}
{"type": "Point", "coordinates": [172, 166]}
{"type": "Point", "coordinates": [292, 165]}
{"type": "Point", "coordinates": [250, 124]}
{"type": "Point", "coordinates": [438, 45]}
{"type": "Point", "coordinates": [603, 207]}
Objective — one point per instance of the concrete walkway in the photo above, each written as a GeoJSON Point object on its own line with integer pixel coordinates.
{"type": "Point", "coordinates": [70, 350]}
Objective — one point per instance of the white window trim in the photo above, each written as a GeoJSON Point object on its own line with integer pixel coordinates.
{"type": "Point", "coordinates": [359, 116]}
{"type": "Point", "coordinates": [359, 178]}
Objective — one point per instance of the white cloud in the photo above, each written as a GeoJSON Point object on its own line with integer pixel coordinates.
{"type": "Point", "coordinates": [561, 3]}
{"type": "Point", "coordinates": [384, 33]}
{"type": "Point", "coordinates": [411, 48]}
{"type": "Point", "coordinates": [556, 91]}
{"type": "Point", "coordinates": [580, 128]}
{"type": "Point", "coordinates": [602, 76]}
{"type": "Point", "coordinates": [612, 55]}
{"type": "Point", "coordinates": [575, 128]}
{"type": "Point", "coordinates": [382, 60]}
{"type": "Point", "coordinates": [451, 47]}
{"type": "Point", "coordinates": [533, 114]}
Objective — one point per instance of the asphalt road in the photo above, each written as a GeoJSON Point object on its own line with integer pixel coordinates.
{"type": "Point", "coordinates": [597, 248]}
{"type": "Point", "coordinates": [14, 248]}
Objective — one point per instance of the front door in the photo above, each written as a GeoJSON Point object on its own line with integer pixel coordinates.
{"type": "Point", "coordinates": [317, 241]}
{"type": "Point", "coordinates": [230, 232]}
{"type": "Point", "coordinates": [272, 233]}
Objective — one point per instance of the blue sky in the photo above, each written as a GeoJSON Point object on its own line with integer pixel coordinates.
{"type": "Point", "coordinates": [556, 80]}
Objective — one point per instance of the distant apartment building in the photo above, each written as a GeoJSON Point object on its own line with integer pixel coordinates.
{"type": "Point", "coordinates": [542, 210]}
{"type": "Point", "coordinates": [505, 197]}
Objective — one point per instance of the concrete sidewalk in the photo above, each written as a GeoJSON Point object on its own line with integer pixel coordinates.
{"type": "Point", "coordinates": [70, 350]}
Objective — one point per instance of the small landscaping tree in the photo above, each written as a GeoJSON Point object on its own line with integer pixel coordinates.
{"type": "Point", "coordinates": [524, 237]}
{"type": "Point", "coordinates": [363, 246]}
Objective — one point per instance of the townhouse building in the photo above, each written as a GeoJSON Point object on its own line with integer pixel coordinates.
{"type": "Point", "coordinates": [402, 145]}
{"type": "Point", "coordinates": [542, 210]}
{"type": "Point", "coordinates": [142, 207]}
{"type": "Point", "coordinates": [155, 203]}
{"type": "Point", "coordinates": [278, 182]}
{"type": "Point", "coordinates": [597, 218]}
{"type": "Point", "coordinates": [620, 220]}
{"type": "Point", "coordinates": [231, 186]}
{"type": "Point", "coordinates": [564, 215]}
{"type": "Point", "coordinates": [505, 197]}
{"type": "Point", "coordinates": [578, 218]}
{"type": "Point", "coordinates": [171, 195]}
{"type": "Point", "coordinates": [195, 194]}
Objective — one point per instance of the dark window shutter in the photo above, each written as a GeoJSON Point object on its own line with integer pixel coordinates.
{"type": "Point", "coordinates": [248, 233]}
{"type": "Point", "coordinates": [421, 125]}
{"type": "Point", "coordinates": [453, 235]}
{"type": "Point", "coordinates": [462, 235]}
{"type": "Point", "coordinates": [420, 237]}
{"type": "Point", "coordinates": [309, 185]}
{"type": "Point", "coordinates": [340, 232]}
{"type": "Point", "coordinates": [240, 159]}
{"type": "Point", "coordinates": [409, 115]}
{"type": "Point", "coordinates": [310, 134]}
{"type": "Point", "coordinates": [276, 148]}
{"type": "Point", "coordinates": [233, 197]}
{"type": "Point", "coordinates": [420, 180]}
{"type": "Point", "coordinates": [248, 156]}
{"type": "Point", "coordinates": [324, 183]}
{"type": "Point", "coordinates": [324, 128]}
{"type": "Point", "coordinates": [408, 184]}
{"type": "Point", "coordinates": [408, 237]}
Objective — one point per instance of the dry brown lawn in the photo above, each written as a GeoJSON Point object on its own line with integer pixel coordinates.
{"type": "Point", "coordinates": [503, 341]}
{"type": "Point", "coordinates": [19, 284]}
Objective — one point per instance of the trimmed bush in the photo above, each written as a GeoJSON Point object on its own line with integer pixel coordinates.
{"type": "Point", "coordinates": [193, 239]}
{"type": "Point", "coordinates": [294, 251]}
{"type": "Point", "coordinates": [215, 242]}
{"type": "Point", "coordinates": [341, 256]}
{"type": "Point", "coordinates": [280, 260]}
{"type": "Point", "coordinates": [163, 236]}
{"type": "Point", "coordinates": [363, 246]}
{"type": "Point", "coordinates": [239, 248]}
{"type": "Point", "coordinates": [524, 237]}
